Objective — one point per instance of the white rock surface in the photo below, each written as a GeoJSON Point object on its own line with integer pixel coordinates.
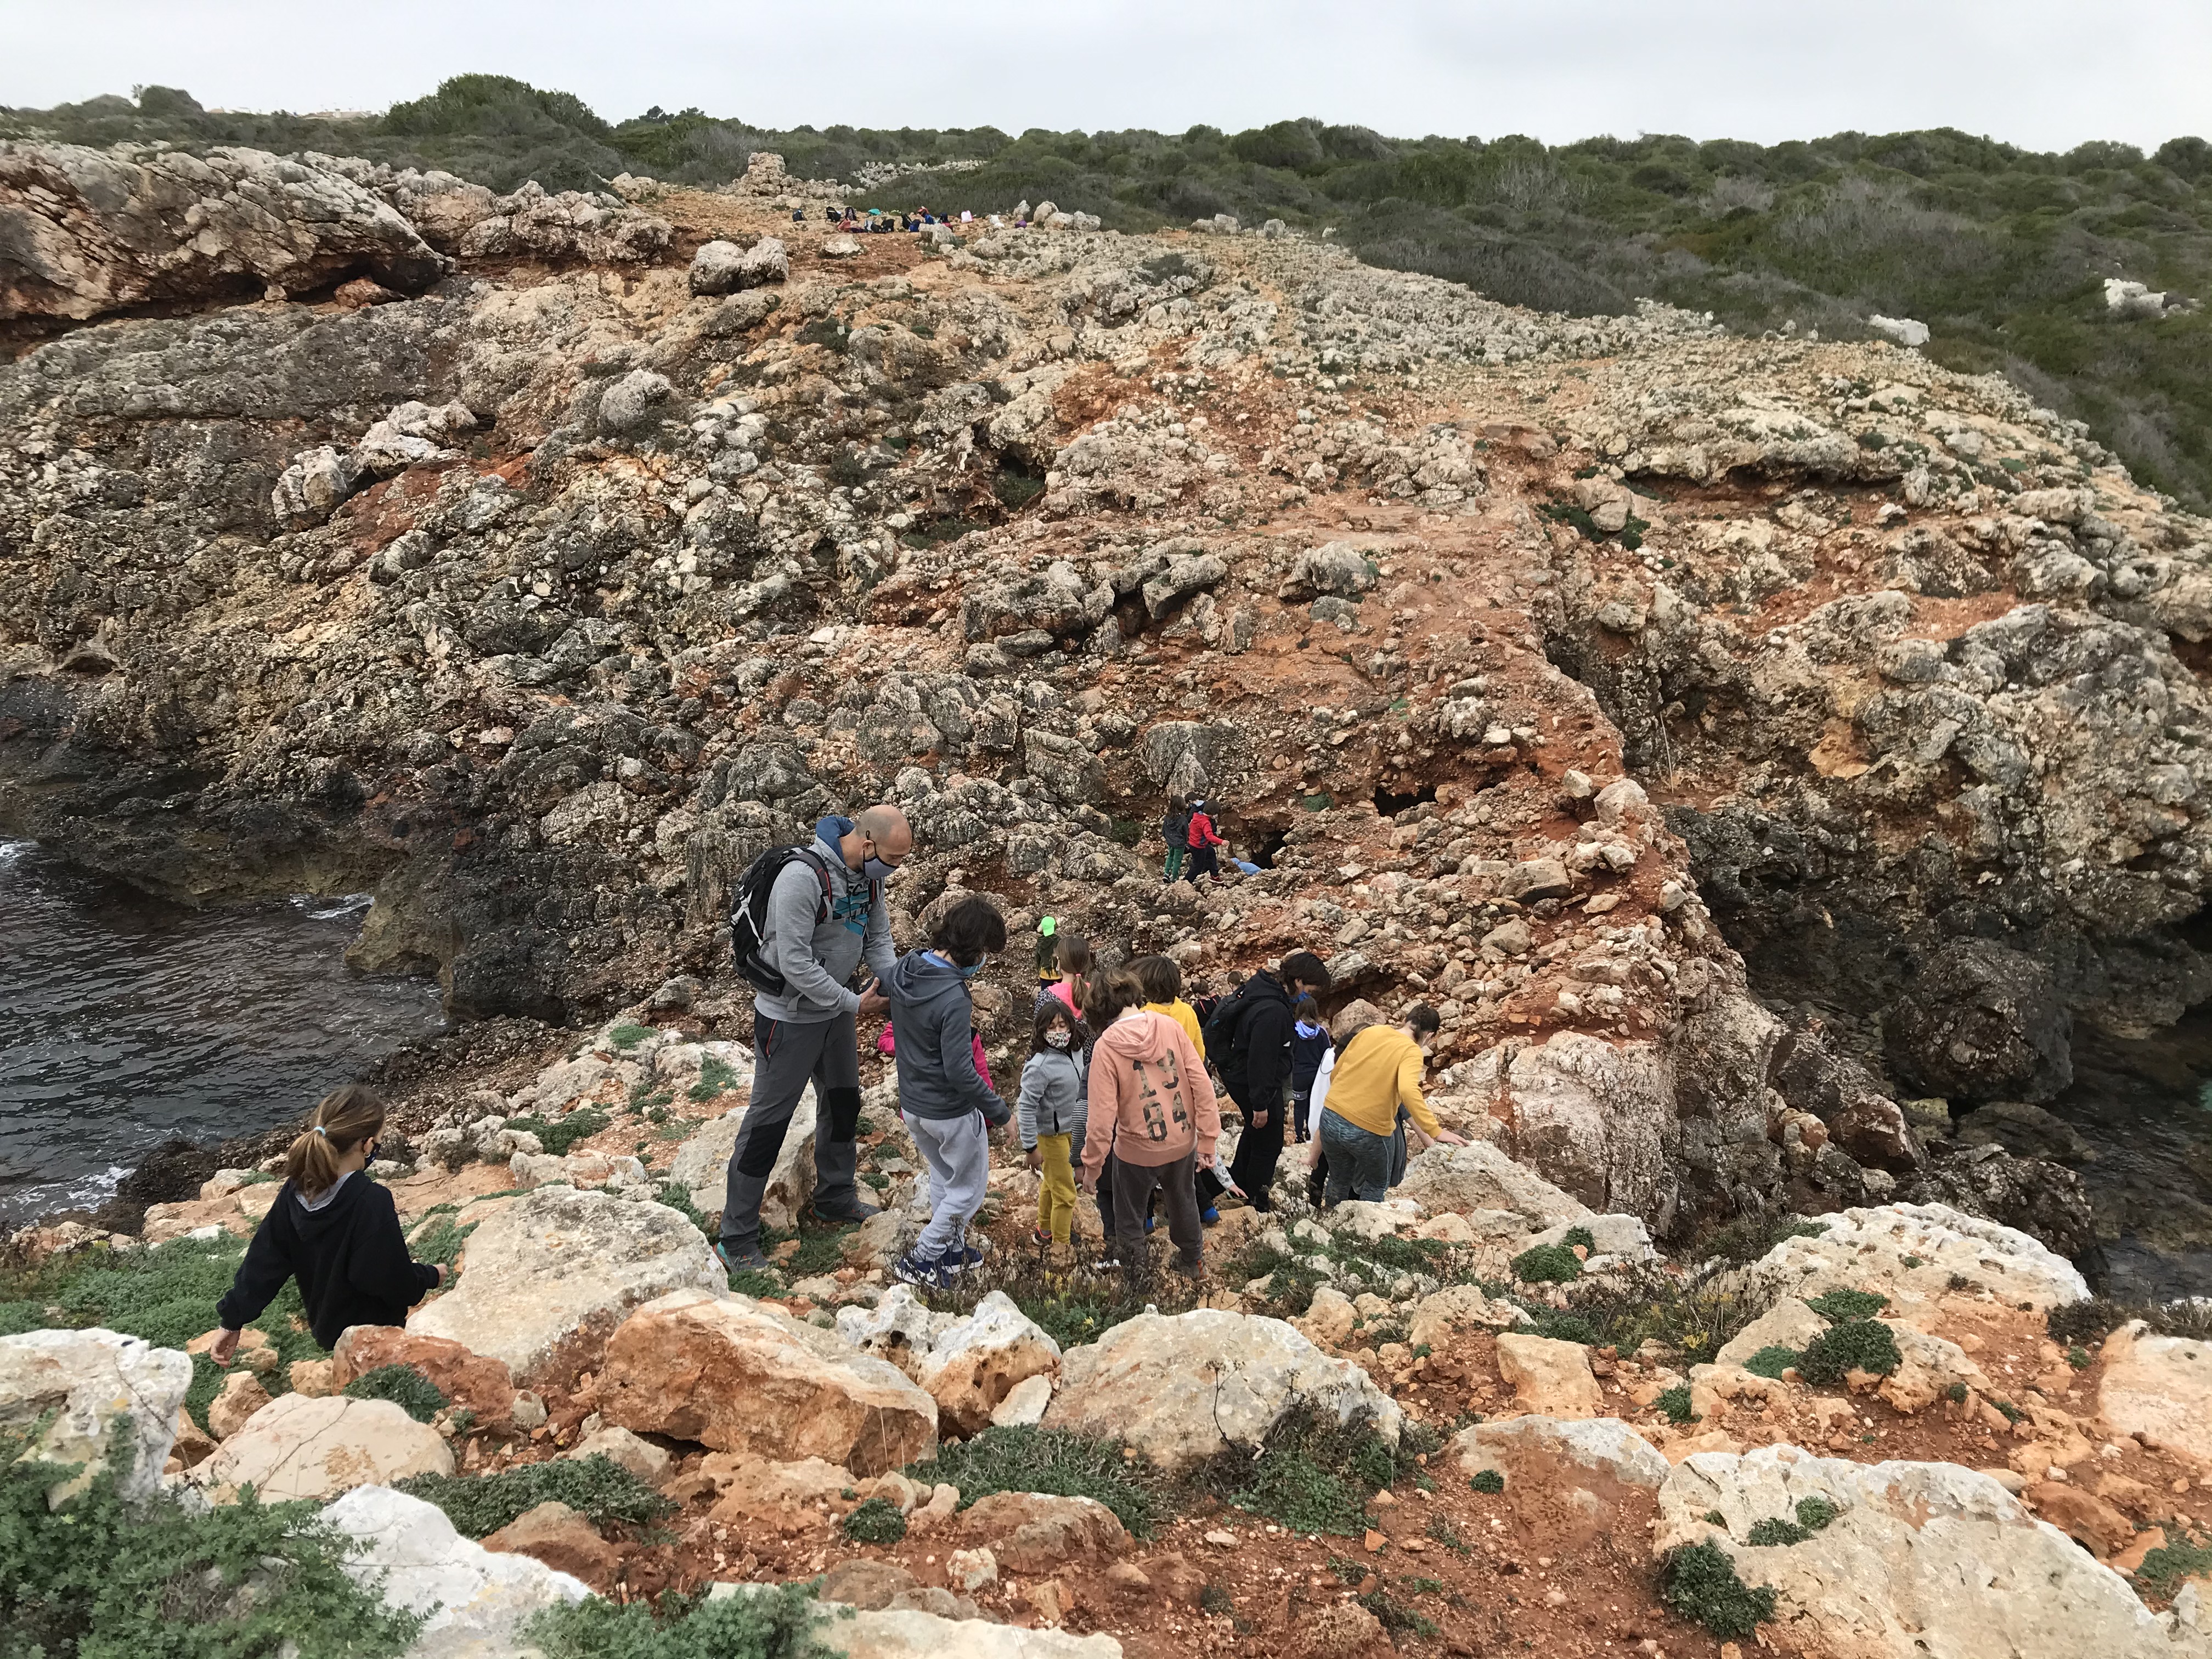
{"type": "Point", "coordinates": [1925, 1561]}
{"type": "Point", "coordinates": [1603, 1445]}
{"type": "Point", "coordinates": [1478, 1176]}
{"type": "Point", "coordinates": [1867, 1250]}
{"type": "Point", "coordinates": [91, 1382]}
{"type": "Point", "coordinates": [297, 1446]}
{"type": "Point", "coordinates": [1025, 1402]}
{"type": "Point", "coordinates": [701, 1165]}
{"type": "Point", "coordinates": [2161, 1387]}
{"type": "Point", "coordinates": [561, 1266]}
{"type": "Point", "coordinates": [1183, 1387]}
{"type": "Point", "coordinates": [478, 1601]}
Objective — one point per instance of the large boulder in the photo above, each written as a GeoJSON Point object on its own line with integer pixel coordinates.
{"type": "Point", "coordinates": [476, 1603]}
{"type": "Point", "coordinates": [1478, 1176]}
{"type": "Point", "coordinates": [1592, 1453]}
{"type": "Point", "coordinates": [86, 1386]}
{"type": "Point", "coordinates": [701, 1165]}
{"type": "Point", "coordinates": [739, 1377]}
{"type": "Point", "coordinates": [723, 267]}
{"type": "Point", "coordinates": [1549, 1376]}
{"type": "Point", "coordinates": [2159, 1388]}
{"type": "Point", "coordinates": [1921, 1561]}
{"type": "Point", "coordinates": [1180, 1387]}
{"type": "Point", "coordinates": [968, 1363]}
{"type": "Point", "coordinates": [546, 1279]}
{"type": "Point", "coordinates": [89, 231]}
{"type": "Point", "coordinates": [299, 1447]}
{"type": "Point", "coordinates": [1981, 1021]}
{"type": "Point", "coordinates": [473, 1380]}
{"type": "Point", "coordinates": [1913, 1254]}
{"type": "Point", "coordinates": [1032, 1532]}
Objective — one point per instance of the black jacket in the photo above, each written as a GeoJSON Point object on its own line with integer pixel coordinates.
{"type": "Point", "coordinates": [1257, 1067]}
{"type": "Point", "coordinates": [349, 1257]}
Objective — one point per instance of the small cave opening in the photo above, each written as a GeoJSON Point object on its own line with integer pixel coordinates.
{"type": "Point", "coordinates": [1390, 802]}
{"type": "Point", "coordinates": [1266, 843]}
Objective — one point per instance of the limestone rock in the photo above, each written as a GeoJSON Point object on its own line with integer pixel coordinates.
{"type": "Point", "coordinates": [701, 1165]}
{"type": "Point", "coordinates": [1868, 1249]}
{"type": "Point", "coordinates": [1478, 1176]}
{"type": "Point", "coordinates": [1026, 1403]}
{"type": "Point", "coordinates": [549, 1277]}
{"type": "Point", "coordinates": [648, 1461]}
{"type": "Point", "coordinates": [473, 1380]}
{"type": "Point", "coordinates": [536, 223]}
{"type": "Point", "coordinates": [1922, 1559]}
{"type": "Point", "coordinates": [1550, 1377]}
{"type": "Point", "coordinates": [89, 1382]}
{"type": "Point", "coordinates": [239, 1397]}
{"type": "Point", "coordinates": [1440, 1316]}
{"type": "Point", "coordinates": [563, 1539]}
{"type": "Point", "coordinates": [632, 401]}
{"type": "Point", "coordinates": [1536, 879]}
{"type": "Point", "coordinates": [722, 267]}
{"type": "Point", "coordinates": [296, 1447]}
{"type": "Point", "coordinates": [905, 1633]}
{"type": "Point", "coordinates": [1981, 1022]}
{"type": "Point", "coordinates": [739, 1377]}
{"type": "Point", "coordinates": [1330, 1317]}
{"type": "Point", "coordinates": [975, 1362]}
{"type": "Point", "coordinates": [2159, 1388]}
{"type": "Point", "coordinates": [1183, 1387]}
{"type": "Point", "coordinates": [1548, 1447]}
{"type": "Point", "coordinates": [477, 1603]}
{"type": "Point", "coordinates": [1623, 1236]}
{"type": "Point", "coordinates": [1033, 1533]}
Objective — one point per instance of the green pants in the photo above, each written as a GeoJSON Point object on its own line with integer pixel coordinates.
{"type": "Point", "coordinates": [1175, 862]}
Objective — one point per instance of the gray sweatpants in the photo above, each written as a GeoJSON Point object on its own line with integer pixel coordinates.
{"type": "Point", "coordinates": [787, 1057]}
{"type": "Point", "coordinates": [958, 1153]}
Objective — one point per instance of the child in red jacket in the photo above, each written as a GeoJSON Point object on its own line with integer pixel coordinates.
{"type": "Point", "coordinates": [1204, 861]}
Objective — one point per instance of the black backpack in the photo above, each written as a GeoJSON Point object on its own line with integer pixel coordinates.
{"type": "Point", "coordinates": [748, 913]}
{"type": "Point", "coordinates": [1221, 1027]}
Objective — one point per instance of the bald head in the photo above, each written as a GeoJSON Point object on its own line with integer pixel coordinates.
{"type": "Point", "coordinates": [879, 841]}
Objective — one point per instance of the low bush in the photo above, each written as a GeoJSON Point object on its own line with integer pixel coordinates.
{"type": "Point", "coordinates": [1854, 1345]}
{"type": "Point", "coordinates": [1396, 1616]}
{"type": "Point", "coordinates": [1815, 1513]}
{"type": "Point", "coordinates": [404, 1387]}
{"type": "Point", "coordinates": [556, 1135]}
{"type": "Point", "coordinates": [2081, 1324]}
{"type": "Point", "coordinates": [1772, 1361]}
{"type": "Point", "coordinates": [1547, 1264]}
{"type": "Point", "coordinates": [1675, 1402]}
{"type": "Point", "coordinates": [769, 1621]}
{"type": "Point", "coordinates": [2184, 1555]}
{"type": "Point", "coordinates": [1025, 1458]}
{"type": "Point", "coordinates": [1699, 1581]}
{"type": "Point", "coordinates": [1313, 1475]}
{"type": "Point", "coordinates": [1560, 1327]}
{"type": "Point", "coordinates": [596, 1487]}
{"type": "Point", "coordinates": [1487, 1480]}
{"type": "Point", "coordinates": [878, 1521]}
{"type": "Point", "coordinates": [1768, 1533]}
{"type": "Point", "coordinates": [1743, 1241]}
{"type": "Point", "coordinates": [716, 1076]}
{"type": "Point", "coordinates": [1839, 1306]}
{"type": "Point", "coordinates": [1582, 1236]}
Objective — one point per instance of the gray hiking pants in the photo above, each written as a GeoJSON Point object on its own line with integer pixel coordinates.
{"type": "Point", "coordinates": [787, 1057]}
{"type": "Point", "coordinates": [958, 1151]}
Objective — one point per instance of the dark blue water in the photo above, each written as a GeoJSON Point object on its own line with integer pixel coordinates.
{"type": "Point", "coordinates": [125, 1021]}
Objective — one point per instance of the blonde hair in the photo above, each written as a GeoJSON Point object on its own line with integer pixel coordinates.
{"type": "Point", "coordinates": [344, 1118]}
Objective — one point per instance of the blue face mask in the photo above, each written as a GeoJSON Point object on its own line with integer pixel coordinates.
{"type": "Point", "coordinates": [970, 972]}
{"type": "Point", "coordinates": [876, 870]}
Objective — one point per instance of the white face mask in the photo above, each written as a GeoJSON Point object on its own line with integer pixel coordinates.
{"type": "Point", "coordinates": [1058, 1039]}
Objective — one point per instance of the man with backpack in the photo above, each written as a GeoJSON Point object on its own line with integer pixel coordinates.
{"type": "Point", "coordinates": [1248, 1038]}
{"type": "Point", "coordinates": [806, 917]}
{"type": "Point", "coordinates": [1203, 841]}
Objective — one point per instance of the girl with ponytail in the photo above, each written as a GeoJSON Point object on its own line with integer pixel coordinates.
{"type": "Point", "coordinates": [333, 1230]}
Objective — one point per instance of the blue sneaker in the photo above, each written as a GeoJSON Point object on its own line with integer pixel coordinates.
{"type": "Point", "coordinates": [1151, 1222]}
{"type": "Point", "coordinates": [1209, 1215]}
{"type": "Point", "coordinates": [959, 1261]}
{"type": "Point", "coordinates": [740, 1260]}
{"type": "Point", "coordinates": [930, 1275]}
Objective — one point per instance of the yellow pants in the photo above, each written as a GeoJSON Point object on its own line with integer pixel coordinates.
{"type": "Point", "coordinates": [1056, 1198]}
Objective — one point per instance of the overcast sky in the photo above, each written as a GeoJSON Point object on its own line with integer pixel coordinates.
{"type": "Point", "coordinates": [2043, 73]}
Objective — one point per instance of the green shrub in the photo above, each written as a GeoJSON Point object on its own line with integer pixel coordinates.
{"type": "Point", "coordinates": [2079, 1359]}
{"type": "Point", "coordinates": [1313, 1475]}
{"type": "Point", "coordinates": [769, 1621]}
{"type": "Point", "coordinates": [878, 1521]}
{"type": "Point", "coordinates": [1025, 1458]}
{"type": "Point", "coordinates": [556, 1135]}
{"type": "Point", "coordinates": [1839, 1306]}
{"type": "Point", "coordinates": [404, 1387]}
{"type": "Point", "coordinates": [597, 1488]}
{"type": "Point", "coordinates": [1860, 1345]}
{"type": "Point", "coordinates": [1487, 1480]}
{"type": "Point", "coordinates": [1815, 1513]}
{"type": "Point", "coordinates": [1547, 1264]}
{"type": "Point", "coordinates": [99, 1576]}
{"type": "Point", "coordinates": [1395, 1615]}
{"type": "Point", "coordinates": [1956, 1394]}
{"type": "Point", "coordinates": [1772, 1361]}
{"type": "Point", "coordinates": [1559, 1327]}
{"type": "Point", "coordinates": [1675, 1402]}
{"type": "Point", "coordinates": [1743, 1242]}
{"type": "Point", "coordinates": [628, 1034]}
{"type": "Point", "coordinates": [1581, 1236]}
{"type": "Point", "coordinates": [1700, 1584]}
{"type": "Point", "coordinates": [2184, 1555]}
{"type": "Point", "coordinates": [716, 1076]}
{"type": "Point", "coordinates": [1765, 1534]}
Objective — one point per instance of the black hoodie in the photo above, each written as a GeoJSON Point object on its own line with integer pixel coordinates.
{"type": "Point", "coordinates": [1257, 1067]}
{"type": "Point", "coordinates": [349, 1257]}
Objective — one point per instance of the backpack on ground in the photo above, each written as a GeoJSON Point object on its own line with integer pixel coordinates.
{"type": "Point", "coordinates": [749, 915]}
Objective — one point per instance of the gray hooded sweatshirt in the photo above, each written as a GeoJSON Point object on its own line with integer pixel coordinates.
{"type": "Point", "coordinates": [817, 961]}
{"type": "Point", "coordinates": [931, 1020]}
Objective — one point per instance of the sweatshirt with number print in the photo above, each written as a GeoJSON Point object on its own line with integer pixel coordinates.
{"type": "Point", "coordinates": [1150, 1100]}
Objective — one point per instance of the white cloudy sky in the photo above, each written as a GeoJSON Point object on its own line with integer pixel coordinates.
{"type": "Point", "coordinates": [2044, 73]}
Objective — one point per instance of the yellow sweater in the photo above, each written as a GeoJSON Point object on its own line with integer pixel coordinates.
{"type": "Point", "coordinates": [1376, 1074]}
{"type": "Point", "coordinates": [1183, 1015]}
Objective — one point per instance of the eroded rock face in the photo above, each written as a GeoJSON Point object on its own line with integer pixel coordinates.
{"type": "Point", "coordinates": [1981, 1022]}
{"type": "Point", "coordinates": [1922, 1558]}
{"type": "Point", "coordinates": [1912, 1253]}
{"type": "Point", "coordinates": [739, 1377]}
{"type": "Point", "coordinates": [2159, 1388]}
{"type": "Point", "coordinates": [969, 1366]}
{"type": "Point", "coordinates": [1180, 1387]}
{"type": "Point", "coordinates": [297, 1447]}
{"type": "Point", "coordinates": [94, 1385]}
{"type": "Point", "coordinates": [1479, 1176]}
{"type": "Point", "coordinates": [546, 1279]}
{"type": "Point", "coordinates": [468, 1379]}
{"type": "Point", "coordinates": [89, 231]}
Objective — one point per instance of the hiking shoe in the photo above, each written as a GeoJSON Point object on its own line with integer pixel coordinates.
{"type": "Point", "coordinates": [912, 1270]}
{"type": "Point", "coordinates": [1209, 1215]}
{"type": "Point", "coordinates": [1151, 1222]}
{"type": "Point", "coordinates": [1040, 1236]}
{"type": "Point", "coordinates": [847, 1218]}
{"type": "Point", "coordinates": [740, 1259]}
{"type": "Point", "coordinates": [959, 1261]}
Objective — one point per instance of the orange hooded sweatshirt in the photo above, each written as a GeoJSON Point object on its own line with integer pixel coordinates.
{"type": "Point", "coordinates": [1150, 1100]}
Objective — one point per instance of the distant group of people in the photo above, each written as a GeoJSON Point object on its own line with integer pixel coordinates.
{"type": "Point", "coordinates": [1117, 1097]}
{"type": "Point", "coordinates": [865, 220]}
{"type": "Point", "coordinates": [1194, 842]}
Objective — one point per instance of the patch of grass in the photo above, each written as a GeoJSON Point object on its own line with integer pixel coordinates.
{"type": "Point", "coordinates": [596, 1487]}
{"type": "Point", "coordinates": [878, 1521]}
{"type": "Point", "coordinates": [1348, 1571]}
{"type": "Point", "coordinates": [2081, 1324]}
{"type": "Point", "coordinates": [1560, 1327]}
{"type": "Point", "coordinates": [1547, 1264]}
{"type": "Point", "coordinates": [2184, 1555]}
{"type": "Point", "coordinates": [1815, 1513]}
{"type": "Point", "coordinates": [1488, 1481]}
{"type": "Point", "coordinates": [678, 1197]}
{"type": "Point", "coordinates": [1772, 1361]}
{"type": "Point", "coordinates": [1956, 1394]}
{"type": "Point", "coordinates": [1026, 1458]}
{"type": "Point", "coordinates": [100, 1577]}
{"type": "Point", "coordinates": [1313, 1475]}
{"type": "Point", "coordinates": [1775, 1530]}
{"type": "Point", "coordinates": [2080, 1358]}
{"type": "Point", "coordinates": [1675, 1402]}
{"type": "Point", "coordinates": [768, 1621]}
{"type": "Point", "coordinates": [1693, 1313]}
{"type": "Point", "coordinates": [404, 1387]}
{"type": "Point", "coordinates": [1861, 1344]}
{"type": "Point", "coordinates": [716, 1076]}
{"type": "Point", "coordinates": [1395, 1615]}
{"type": "Point", "coordinates": [441, 1244]}
{"type": "Point", "coordinates": [628, 1034]}
{"type": "Point", "coordinates": [1699, 1582]}
{"type": "Point", "coordinates": [1745, 1240]}
{"type": "Point", "coordinates": [1581, 1236]}
{"type": "Point", "coordinates": [1839, 1306]}
{"type": "Point", "coordinates": [556, 1135]}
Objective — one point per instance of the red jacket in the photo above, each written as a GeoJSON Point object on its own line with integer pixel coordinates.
{"type": "Point", "coordinates": [1201, 831]}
